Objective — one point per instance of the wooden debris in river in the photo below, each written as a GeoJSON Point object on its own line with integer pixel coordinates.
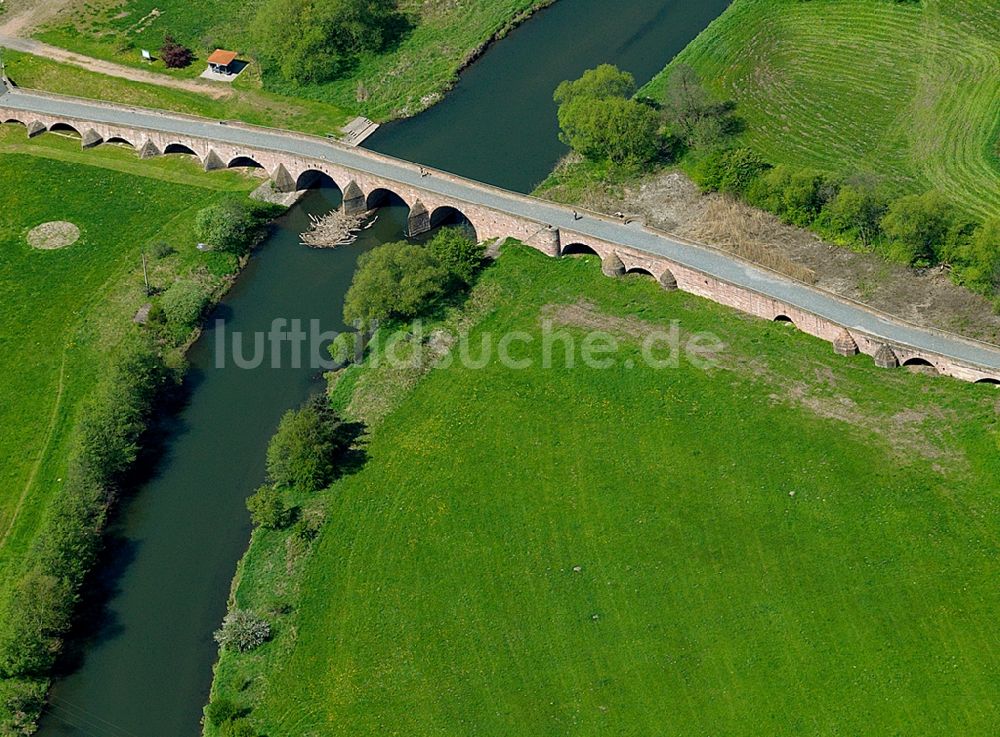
{"type": "Point", "coordinates": [334, 229]}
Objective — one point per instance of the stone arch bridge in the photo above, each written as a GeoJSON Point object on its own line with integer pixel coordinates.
{"type": "Point", "coordinates": [367, 179]}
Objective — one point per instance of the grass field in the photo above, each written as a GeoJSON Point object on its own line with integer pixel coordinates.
{"type": "Point", "coordinates": [256, 107]}
{"type": "Point", "coordinates": [789, 543]}
{"type": "Point", "coordinates": [400, 82]}
{"type": "Point", "coordinates": [909, 92]}
{"type": "Point", "coordinates": [64, 310]}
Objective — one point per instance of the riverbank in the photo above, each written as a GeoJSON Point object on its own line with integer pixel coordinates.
{"type": "Point", "coordinates": [415, 610]}
{"type": "Point", "coordinates": [68, 312]}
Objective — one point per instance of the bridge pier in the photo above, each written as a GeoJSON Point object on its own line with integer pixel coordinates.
{"type": "Point", "coordinates": [547, 241]}
{"type": "Point", "coordinates": [282, 181]}
{"type": "Point", "coordinates": [90, 138]}
{"type": "Point", "coordinates": [612, 265]}
{"type": "Point", "coordinates": [885, 357]}
{"type": "Point", "coordinates": [213, 162]}
{"type": "Point", "coordinates": [148, 150]}
{"type": "Point", "coordinates": [36, 128]}
{"type": "Point", "coordinates": [844, 345]}
{"type": "Point", "coordinates": [355, 202]}
{"type": "Point", "coordinates": [419, 220]}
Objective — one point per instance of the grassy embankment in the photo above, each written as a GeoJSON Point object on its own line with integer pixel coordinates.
{"type": "Point", "coordinates": [906, 92]}
{"type": "Point", "coordinates": [402, 81]}
{"type": "Point", "coordinates": [790, 542]}
{"type": "Point", "coordinates": [64, 311]}
{"type": "Point", "coordinates": [256, 107]}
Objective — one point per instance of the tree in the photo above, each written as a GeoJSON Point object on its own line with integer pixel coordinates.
{"type": "Point", "coordinates": [730, 170]}
{"type": "Point", "coordinates": [691, 113]}
{"type": "Point", "coordinates": [606, 81]}
{"type": "Point", "coordinates": [612, 129]}
{"type": "Point", "coordinates": [311, 41]}
{"type": "Point", "coordinates": [919, 226]}
{"type": "Point", "coordinates": [303, 452]}
{"type": "Point", "coordinates": [459, 254]}
{"type": "Point", "coordinates": [233, 225]}
{"type": "Point", "coordinates": [221, 710]}
{"type": "Point", "coordinates": [242, 631]}
{"type": "Point", "coordinates": [267, 508]}
{"type": "Point", "coordinates": [397, 280]}
{"type": "Point", "coordinates": [175, 55]}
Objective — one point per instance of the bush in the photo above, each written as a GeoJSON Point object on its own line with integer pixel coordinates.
{"type": "Point", "coordinates": [221, 710]}
{"type": "Point", "coordinates": [161, 250]}
{"type": "Point", "coordinates": [21, 703]}
{"type": "Point", "coordinates": [267, 509]}
{"type": "Point", "coordinates": [397, 280]}
{"type": "Point", "coordinates": [303, 452]}
{"type": "Point", "coordinates": [184, 303]}
{"type": "Point", "coordinates": [238, 728]}
{"type": "Point", "coordinates": [175, 55]}
{"type": "Point", "coordinates": [234, 225]}
{"type": "Point", "coordinates": [919, 227]}
{"type": "Point", "coordinates": [794, 195]}
{"type": "Point", "coordinates": [459, 254]}
{"type": "Point", "coordinates": [729, 170]}
{"type": "Point", "coordinates": [856, 211]}
{"type": "Point", "coordinates": [243, 631]}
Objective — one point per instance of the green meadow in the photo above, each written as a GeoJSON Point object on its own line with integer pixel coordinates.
{"type": "Point", "coordinates": [786, 542]}
{"type": "Point", "coordinates": [904, 91]}
{"type": "Point", "coordinates": [64, 311]}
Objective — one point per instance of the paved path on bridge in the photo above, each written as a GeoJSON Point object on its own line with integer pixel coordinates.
{"type": "Point", "coordinates": [709, 261]}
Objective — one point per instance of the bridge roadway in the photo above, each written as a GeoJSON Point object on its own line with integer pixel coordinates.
{"type": "Point", "coordinates": [950, 353]}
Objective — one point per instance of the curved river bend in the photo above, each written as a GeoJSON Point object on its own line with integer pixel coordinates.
{"type": "Point", "coordinates": [146, 659]}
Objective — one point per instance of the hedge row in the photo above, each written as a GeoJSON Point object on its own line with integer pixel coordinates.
{"type": "Point", "coordinates": [42, 602]}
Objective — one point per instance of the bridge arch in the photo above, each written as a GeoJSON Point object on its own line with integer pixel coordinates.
{"type": "Point", "coordinates": [382, 197]}
{"type": "Point", "coordinates": [315, 179]}
{"type": "Point", "coordinates": [783, 318]}
{"type": "Point", "coordinates": [992, 382]}
{"type": "Point", "coordinates": [64, 128]}
{"type": "Point", "coordinates": [919, 361]}
{"type": "Point", "coordinates": [579, 249]}
{"type": "Point", "coordinates": [178, 148]}
{"type": "Point", "coordinates": [448, 216]}
{"type": "Point", "coordinates": [15, 120]}
{"type": "Point", "coordinates": [244, 162]}
{"type": "Point", "coordinates": [639, 271]}
{"type": "Point", "coordinates": [120, 141]}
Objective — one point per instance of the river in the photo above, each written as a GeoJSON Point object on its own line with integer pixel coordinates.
{"type": "Point", "coordinates": [145, 656]}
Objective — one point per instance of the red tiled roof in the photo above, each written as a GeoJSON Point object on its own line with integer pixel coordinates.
{"type": "Point", "coordinates": [222, 58]}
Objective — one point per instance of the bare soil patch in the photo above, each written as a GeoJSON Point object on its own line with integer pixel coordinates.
{"type": "Point", "coordinates": [50, 236]}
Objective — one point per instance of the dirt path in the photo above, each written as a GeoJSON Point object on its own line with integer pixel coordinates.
{"type": "Point", "coordinates": [111, 69]}
{"type": "Point", "coordinates": [21, 18]}
{"type": "Point", "coordinates": [24, 15]}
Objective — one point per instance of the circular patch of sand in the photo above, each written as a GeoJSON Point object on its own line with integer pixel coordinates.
{"type": "Point", "coordinates": [57, 234]}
